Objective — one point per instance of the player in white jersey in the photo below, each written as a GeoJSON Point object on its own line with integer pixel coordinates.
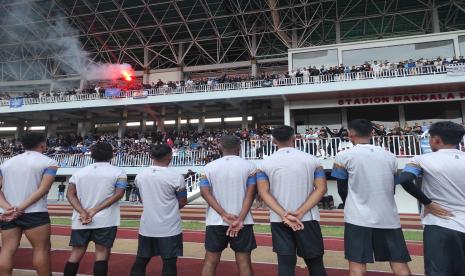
{"type": "Point", "coordinates": [163, 193]}
{"type": "Point", "coordinates": [291, 183]}
{"type": "Point", "coordinates": [372, 223]}
{"type": "Point", "coordinates": [25, 181]}
{"type": "Point", "coordinates": [228, 185]}
{"type": "Point", "coordinates": [443, 197]}
{"type": "Point", "coordinates": [94, 192]}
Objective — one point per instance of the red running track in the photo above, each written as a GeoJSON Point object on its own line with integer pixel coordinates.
{"type": "Point", "coordinates": [120, 264]}
{"type": "Point", "coordinates": [334, 244]}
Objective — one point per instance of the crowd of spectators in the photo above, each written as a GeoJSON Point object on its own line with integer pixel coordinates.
{"type": "Point", "coordinates": [402, 141]}
{"type": "Point", "coordinates": [304, 74]}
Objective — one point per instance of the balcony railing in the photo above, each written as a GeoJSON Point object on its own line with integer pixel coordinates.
{"type": "Point", "coordinates": [383, 74]}
{"type": "Point", "coordinates": [401, 146]}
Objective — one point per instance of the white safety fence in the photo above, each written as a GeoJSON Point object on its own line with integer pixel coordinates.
{"type": "Point", "coordinates": [401, 146]}
{"type": "Point", "coordinates": [391, 73]}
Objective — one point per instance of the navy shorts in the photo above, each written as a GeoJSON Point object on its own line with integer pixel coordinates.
{"type": "Point", "coordinates": [101, 236]}
{"type": "Point", "coordinates": [27, 221]}
{"type": "Point", "coordinates": [165, 247]}
{"type": "Point", "coordinates": [387, 245]}
{"type": "Point", "coordinates": [444, 251]}
{"type": "Point", "coordinates": [216, 239]}
{"type": "Point", "coordinates": [307, 243]}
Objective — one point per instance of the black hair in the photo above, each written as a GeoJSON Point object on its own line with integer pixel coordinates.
{"type": "Point", "coordinates": [160, 151]}
{"type": "Point", "coordinates": [362, 127]}
{"type": "Point", "coordinates": [101, 152]}
{"type": "Point", "coordinates": [31, 140]}
{"type": "Point", "coordinates": [449, 132]}
{"type": "Point", "coordinates": [229, 142]}
{"type": "Point", "coordinates": [282, 133]}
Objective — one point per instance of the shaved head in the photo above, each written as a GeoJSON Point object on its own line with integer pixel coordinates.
{"type": "Point", "coordinates": [230, 142]}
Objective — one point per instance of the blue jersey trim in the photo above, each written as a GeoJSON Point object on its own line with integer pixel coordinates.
{"type": "Point", "coordinates": [251, 180]}
{"type": "Point", "coordinates": [413, 170]}
{"type": "Point", "coordinates": [319, 173]}
{"type": "Point", "coordinates": [204, 183]}
{"type": "Point", "coordinates": [262, 176]}
{"type": "Point", "coordinates": [50, 171]}
{"type": "Point", "coordinates": [339, 173]}
{"type": "Point", "coordinates": [121, 184]}
{"type": "Point", "coordinates": [181, 194]}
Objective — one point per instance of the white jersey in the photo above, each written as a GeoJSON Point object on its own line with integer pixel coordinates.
{"type": "Point", "coordinates": [291, 174]}
{"type": "Point", "coordinates": [443, 183]}
{"type": "Point", "coordinates": [371, 172]}
{"type": "Point", "coordinates": [228, 179]}
{"type": "Point", "coordinates": [159, 188]}
{"type": "Point", "coordinates": [95, 184]}
{"type": "Point", "coordinates": [22, 176]}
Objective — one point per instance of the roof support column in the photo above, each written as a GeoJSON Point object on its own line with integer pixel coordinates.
{"type": "Point", "coordinates": [435, 20]}
{"type": "Point", "coordinates": [337, 28]}
{"type": "Point", "coordinates": [146, 77]}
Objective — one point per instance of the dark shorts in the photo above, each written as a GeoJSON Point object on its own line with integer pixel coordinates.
{"type": "Point", "coordinates": [27, 221]}
{"type": "Point", "coordinates": [216, 239]}
{"type": "Point", "coordinates": [444, 251]}
{"type": "Point", "coordinates": [308, 243]}
{"type": "Point", "coordinates": [387, 245]}
{"type": "Point", "coordinates": [101, 236]}
{"type": "Point", "coordinates": [165, 247]}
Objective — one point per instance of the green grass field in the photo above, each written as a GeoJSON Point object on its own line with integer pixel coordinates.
{"type": "Point", "coordinates": [328, 231]}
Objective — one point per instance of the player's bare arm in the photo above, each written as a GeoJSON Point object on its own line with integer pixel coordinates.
{"type": "Point", "coordinates": [74, 201]}
{"type": "Point", "coordinates": [238, 224]}
{"type": "Point", "coordinates": [47, 180]}
{"type": "Point", "coordinates": [263, 186]}
{"type": "Point", "coordinates": [119, 193]}
{"type": "Point", "coordinates": [313, 199]}
{"type": "Point", "coordinates": [8, 210]}
{"type": "Point", "coordinates": [212, 202]}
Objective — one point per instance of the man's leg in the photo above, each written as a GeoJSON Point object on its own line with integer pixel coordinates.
{"type": "Point", "coordinates": [244, 263]}
{"type": "Point", "coordinates": [102, 254]}
{"type": "Point", "coordinates": [10, 242]}
{"type": "Point", "coordinates": [357, 269]}
{"type": "Point", "coordinates": [286, 265]}
{"type": "Point", "coordinates": [315, 266]}
{"type": "Point", "coordinates": [39, 237]}
{"type": "Point", "coordinates": [169, 266]}
{"type": "Point", "coordinates": [72, 266]}
{"type": "Point", "coordinates": [400, 269]}
{"type": "Point", "coordinates": [212, 259]}
{"type": "Point", "coordinates": [139, 266]}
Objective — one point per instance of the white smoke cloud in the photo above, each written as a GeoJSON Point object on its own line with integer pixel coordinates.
{"type": "Point", "coordinates": [105, 71]}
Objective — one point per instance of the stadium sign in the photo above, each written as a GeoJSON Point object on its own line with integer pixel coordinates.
{"type": "Point", "coordinates": [455, 70]}
{"type": "Point", "coordinates": [402, 99]}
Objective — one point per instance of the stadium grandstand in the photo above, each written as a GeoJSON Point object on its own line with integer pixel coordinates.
{"type": "Point", "coordinates": [138, 73]}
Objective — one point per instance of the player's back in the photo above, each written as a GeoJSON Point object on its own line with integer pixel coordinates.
{"type": "Point", "coordinates": [22, 176]}
{"type": "Point", "coordinates": [291, 176]}
{"type": "Point", "coordinates": [443, 183]}
{"type": "Point", "coordinates": [157, 187]}
{"type": "Point", "coordinates": [371, 179]}
{"type": "Point", "coordinates": [228, 179]}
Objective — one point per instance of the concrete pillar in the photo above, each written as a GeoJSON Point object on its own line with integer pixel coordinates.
{"type": "Point", "coordinates": [462, 105]}
{"type": "Point", "coordinates": [146, 77]}
{"type": "Point", "coordinates": [81, 129]}
{"type": "Point", "coordinates": [401, 115]}
{"type": "Point", "coordinates": [178, 120]}
{"type": "Point", "coordinates": [122, 128]}
{"type": "Point", "coordinates": [254, 70]}
{"type": "Point", "coordinates": [287, 114]}
{"type": "Point", "coordinates": [201, 125]}
{"type": "Point", "coordinates": [51, 129]}
{"type": "Point", "coordinates": [245, 122]}
{"type": "Point", "coordinates": [81, 84]}
{"type": "Point", "coordinates": [52, 85]}
{"type": "Point", "coordinates": [143, 124]}
{"type": "Point", "coordinates": [223, 124]}
{"type": "Point", "coordinates": [180, 61]}
{"type": "Point", "coordinates": [337, 28]}
{"type": "Point", "coordinates": [344, 120]}
{"type": "Point", "coordinates": [436, 27]}
{"type": "Point", "coordinates": [160, 123]}
{"type": "Point", "coordinates": [294, 38]}
{"type": "Point", "coordinates": [19, 129]}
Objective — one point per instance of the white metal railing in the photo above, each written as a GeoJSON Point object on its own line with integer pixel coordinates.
{"type": "Point", "coordinates": [192, 183]}
{"type": "Point", "coordinates": [391, 73]}
{"type": "Point", "coordinates": [400, 146]}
